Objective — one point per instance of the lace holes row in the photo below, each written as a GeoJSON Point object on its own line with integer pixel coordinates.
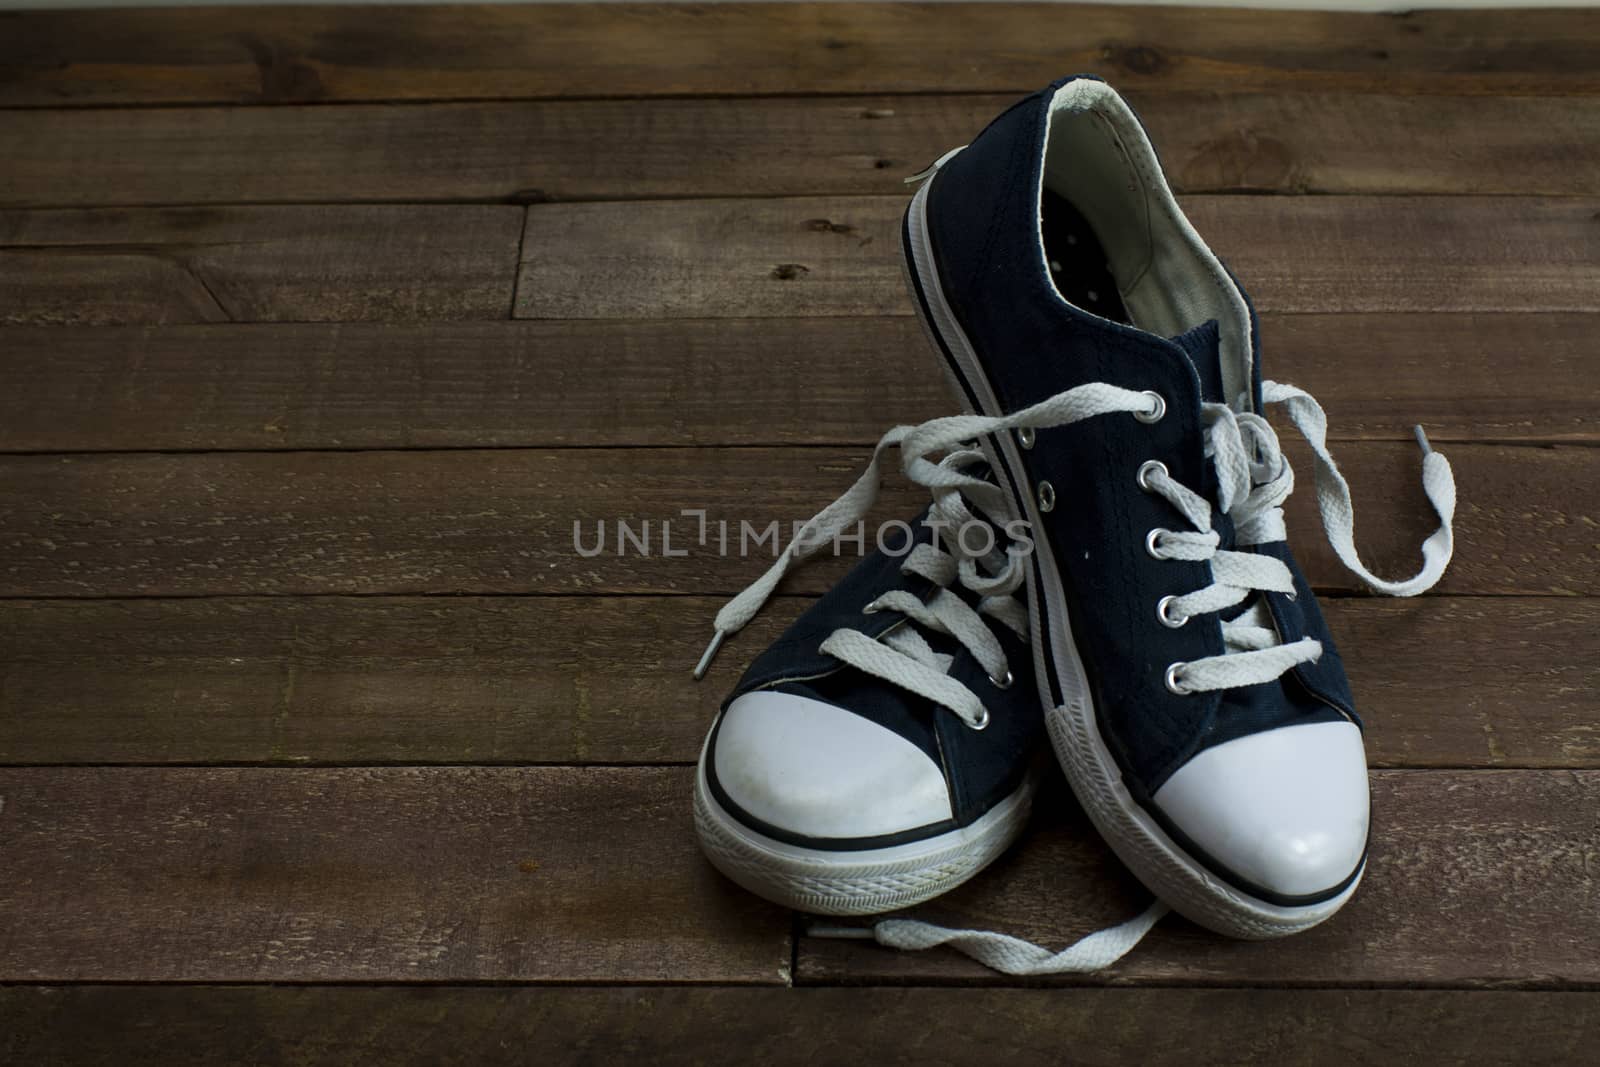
{"type": "Point", "coordinates": [1025, 437]}
{"type": "Point", "coordinates": [1152, 543]}
{"type": "Point", "coordinates": [1158, 408]}
{"type": "Point", "coordinates": [1148, 470]}
{"type": "Point", "coordinates": [1164, 613]}
{"type": "Point", "coordinates": [1047, 497]}
{"type": "Point", "coordinates": [1174, 682]}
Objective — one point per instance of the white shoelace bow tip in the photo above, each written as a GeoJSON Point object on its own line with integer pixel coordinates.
{"type": "Point", "coordinates": [1254, 479]}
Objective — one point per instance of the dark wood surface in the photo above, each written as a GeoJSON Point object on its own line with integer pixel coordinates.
{"type": "Point", "coordinates": [492, 680]}
{"type": "Point", "coordinates": [426, 1026]}
{"type": "Point", "coordinates": [319, 326]}
{"type": "Point", "coordinates": [840, 255]}
{"type": "Point", "coordinates": [782, 146]}
{"type": "Point", "coordinates": [693, 382]}
{"type": "Point", "coordinates": [507, 520]}
{"type": "Point", "coordinates": [402, 263]}
{"type": "Point", "coordinates": [233, 55]}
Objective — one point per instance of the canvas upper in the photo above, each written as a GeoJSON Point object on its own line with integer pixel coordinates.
{"type": "Point", "coordinates": [974, 768]}
{"type": "Point", "coordinates": [1065, 261]}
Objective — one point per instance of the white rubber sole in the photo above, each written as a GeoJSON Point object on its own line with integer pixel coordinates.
{"type": "Point", "coordinates": [855, 883]}
{"type": "Point", "coordinates": [1158, 861]}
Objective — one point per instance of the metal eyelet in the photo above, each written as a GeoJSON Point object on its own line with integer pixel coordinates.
{"type": "Point", "coordinates": [1003, 683]}
{"type": "Point", "coordinates": [1150, 543]}
{"type": "Point", "coordinates": [872, 609]}
{"type": "Point", "coordinates": [1147, 469]}
{"type": "Point", "coordinates": [1158, 408]}
{"type": "Point", "coordinates": [1025, 437]}
{"type": "Point", "coordinates": [1166, 617]}
{"type": "Point", "coordinates": [983, 721]}
{"type": "Point", "coordinates": [1047, 497]}
{"type": "Point", "coordinates": [1174, 683]}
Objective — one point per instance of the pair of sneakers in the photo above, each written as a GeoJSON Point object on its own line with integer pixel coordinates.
{"type": "Point", "coordinates": [1103, 563]}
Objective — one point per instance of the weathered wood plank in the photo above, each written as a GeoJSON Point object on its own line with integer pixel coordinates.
{"type": "Point", "coordinates": [616, 149]}
{"type": "Point", "coordinates": [246, 55]}
{"type": "Point", "coordinates": [452, 874]}
{"type": "Point", "coordinates": [505, 521]}
{"type": "Point", "coordinates": [243, 264]}
{"type": "Point", "coordinates": [713, 258]}
{"type": "Point", "coordinates": [1441, 681]}
{"type": "Point", "coordinates": [681, 382]}
{"type": "Point", "coordinates": [677, 1027]}
{"type": "Point", "coordinates": [708, 382]}
{"type": "Point", "coordinates": [1473, 879]}
{"type": "Point", "coordinates": [840, 255]}
{"type": "Point", "coordinates": [444, 874]}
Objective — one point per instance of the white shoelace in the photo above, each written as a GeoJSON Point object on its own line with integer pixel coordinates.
{"type": "Point", "coordinates": [1254, 479]}
{"type": "Point", "coordinates": [902, 657]}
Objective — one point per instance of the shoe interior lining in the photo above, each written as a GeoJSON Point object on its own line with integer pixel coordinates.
{"type": "Point", "coordinates": [1100, 169]}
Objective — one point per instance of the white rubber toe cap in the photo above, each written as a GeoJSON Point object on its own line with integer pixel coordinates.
{"type": "Point", "coordinates": [1284, 809]}
{"type": "Point", "coordinates": [814, 769]}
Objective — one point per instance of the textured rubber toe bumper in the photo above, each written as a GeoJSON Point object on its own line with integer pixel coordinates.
{"type": "Point", "coordinates": [854, 882]}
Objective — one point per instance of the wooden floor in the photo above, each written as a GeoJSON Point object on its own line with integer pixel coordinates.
{"type": "Point", "coordinates": [321, 326]}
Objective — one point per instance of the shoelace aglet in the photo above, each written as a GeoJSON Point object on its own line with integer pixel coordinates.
{"type": "Point", "coordinates": [710, 653]}
{"type": "Point", "coordinates": [1422, 439]}
{"type": "Point", "coordinates": [840, 932]}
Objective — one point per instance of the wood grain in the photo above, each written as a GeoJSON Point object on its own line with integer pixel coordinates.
{"type": "Point", "coordinates": [450, 874]}
{"type": "Point", "coordinates": [504, 521]}
{"type": "Point", "coordinates": [840, 255]}
{"type": "Point", "coordinates": [1441, 682]}
{"type": "Point", "coordinates": [678, 1027]}
{"type": "Point", "coordinates": [538, 874]}
{"type": "Point", "coordinates": [818, 380]}
{"type": "Point", "coordinates": [1473, 879]}
{"type": "Point", "coordinates": [252, 264]}
{"type": "Point", "coordinates": [631, 149]}
{"type": "Point", "coordinates": [248, 55]}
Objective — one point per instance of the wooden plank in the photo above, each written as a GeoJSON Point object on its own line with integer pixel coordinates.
{"type": "Point", "coordinates": [247, 55]}
{"type": "Point", "coordinates": [397, 875]}
{"type": "Point", "coordinates": [1441, 681]}
{"type": "Point", "coordinates": [252, 264]}
{"type": "Point", "coordinates": [1473, 879]}
{"type": "Point", "coordinates": [698, 382]}
{"type": "Point", "coordinates": [364, 679]}
{"type": "Point", "coordinates": [677, 1027]}
{"type": "Point", "coordinates": [630, 149]}
{"type": "Point", "coordinates": [459, 385]}
{"type": "Point", "coordinates": [840, 255]}
{"type": "Point", "coordinates": [713, 258]}
{"type": "Point", "coordinates": [505, 521]}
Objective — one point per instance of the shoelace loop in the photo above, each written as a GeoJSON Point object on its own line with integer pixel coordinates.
{"type": "Point", "coordinates": [906, 660]}
{"type": "Point", "coordinates": [1254, 479]}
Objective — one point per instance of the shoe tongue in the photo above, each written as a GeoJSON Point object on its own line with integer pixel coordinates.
{"type": "Point", "coordinates": [1203, 346]}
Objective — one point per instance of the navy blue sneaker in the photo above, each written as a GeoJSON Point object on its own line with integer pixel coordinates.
{"type": "Point", "coordinates": [881, 751]}
{"type": "Point", "coordinates": [1191, 690]}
